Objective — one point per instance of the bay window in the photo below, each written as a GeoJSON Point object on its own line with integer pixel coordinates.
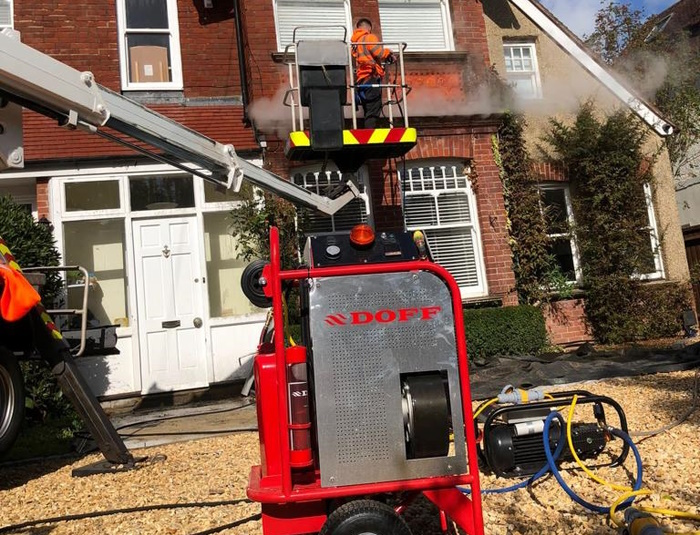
{"type": "Point", "coordinates": [321, 182]}
{"type": "Point", "coordinates": [438, 200]}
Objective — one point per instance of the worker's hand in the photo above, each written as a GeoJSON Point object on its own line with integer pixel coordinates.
{"type": "Point", "coordinates": [391, 58]}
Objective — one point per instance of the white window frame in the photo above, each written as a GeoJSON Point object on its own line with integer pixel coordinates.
{"type": "Point", "coordinates": [446, 28]}
{"type": "Point", "coordinates": [338, 32]}
{"type": "Point", "coordinates": [12, 16]}
{"type": "Point", "coordinates": [362, 182]}
{"type": "Point", "coordinates": [570, 220]}
{"type": "Point", "coordinates": [533, 75]}
{"type": "Point", "coordinates": [426, 168]}
{"type": "Point", "coordinates": [175, 54]}
{"type": "Point", "coordinates": [652, 227]}
{"type": "Point", "coordinates": [658, 28]}
{"type": "Point", "coordinates": [654, 241]}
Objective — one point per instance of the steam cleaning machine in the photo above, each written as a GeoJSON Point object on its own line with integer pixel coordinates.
{"type": "Point", "coordinates": [373, 407]}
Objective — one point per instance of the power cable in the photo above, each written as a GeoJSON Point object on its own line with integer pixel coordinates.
{"type": "Point", "coordinates": [218, 529]}
{"type": "Point", "coordinates": [184, 433]}
{"type": "Point", "coordinates": [683, 418]}
{"type": "Point", "coordinates": [191, 415]}
{"type": "Point", "coordinates": [127, 510]}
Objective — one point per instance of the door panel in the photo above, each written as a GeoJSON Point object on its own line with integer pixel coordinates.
{"type": "Point", "coordinates": [169, 300]}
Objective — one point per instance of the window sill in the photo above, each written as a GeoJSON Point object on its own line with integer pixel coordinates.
{"type": "Point", "coordinates": [484, 301]}
{"type": "Point", "coordinates": [446, 56]}
{"type": "Point", "coordinates": [580, 293]}
{"type": "Point", "coordinates": [160, 96]}
{"type": "Point", "coordinates": [440, 56]}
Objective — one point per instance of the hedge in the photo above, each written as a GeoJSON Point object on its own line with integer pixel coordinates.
{"type": "Point", "coordinates": [518, 330]}
{"type": "Point", "coordinates": [490, 332]}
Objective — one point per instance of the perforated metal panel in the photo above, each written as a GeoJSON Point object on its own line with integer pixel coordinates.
{"type": "Point", "coordinates": [367, 331]}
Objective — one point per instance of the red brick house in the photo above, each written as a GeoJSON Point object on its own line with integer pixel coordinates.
{"type": "Point", "coordinates": [114, 211]}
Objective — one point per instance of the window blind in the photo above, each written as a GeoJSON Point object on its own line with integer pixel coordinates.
{"type": "Point", "coordinates": [5, 13]}
{"type": "Point", "coordinates": [420, 24]}
{"type": "Point", "coordinates": [327, 15]}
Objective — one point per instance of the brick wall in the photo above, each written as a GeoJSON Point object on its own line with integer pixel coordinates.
{"type": "Point", "coordinates": [547, 171]}
{"type": "Point", "coordinates": [42, 198]}
{"type": "Point", "coordinates": [464, 137]}
{"type": "Point", "coordinates": [472, 143]}
{"type": "Point", "coordinates": [565, 321]}
{"type": "Point", "coordinates": [85, 36]}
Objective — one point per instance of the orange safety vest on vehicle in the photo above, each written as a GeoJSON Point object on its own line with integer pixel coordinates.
{"type": "Point", "coordinates": [368, 55]}
{"type": "Point", "coordinates": [17, 296]}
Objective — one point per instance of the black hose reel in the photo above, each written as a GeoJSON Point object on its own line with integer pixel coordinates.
{"type": "Point", "coordinates": [426, 413]}
{"type": "Point", "coordinates": [253, 284]}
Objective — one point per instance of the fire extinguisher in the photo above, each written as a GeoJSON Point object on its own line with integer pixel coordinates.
{"type": "Point", "coordinates": [299, 415]}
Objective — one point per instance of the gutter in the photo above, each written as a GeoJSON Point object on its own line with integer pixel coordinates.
{"type": "Point", "coordinates": [576, 49]}
{"type": "Point", "coordinates": [241, 62]}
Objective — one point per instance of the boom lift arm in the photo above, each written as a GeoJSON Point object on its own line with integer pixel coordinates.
{"type": "Point", "coordinates": [31, 79]}
{"type": "Point", "coordinates": [41, 83]}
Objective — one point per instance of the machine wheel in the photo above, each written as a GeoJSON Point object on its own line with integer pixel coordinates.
{"type": "Point", "coordinates": [250, 284]}
{"type": "Point", "coordinates": [364, 517]}
{"type": "Point", "coordinates": [11, 399]}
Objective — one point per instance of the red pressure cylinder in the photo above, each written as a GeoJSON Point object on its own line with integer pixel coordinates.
{"type": "Point", "coordinates": [299, 416]}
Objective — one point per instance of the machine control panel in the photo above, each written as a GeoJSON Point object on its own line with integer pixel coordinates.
{"type": "Point", "coordinates": [338, 250]}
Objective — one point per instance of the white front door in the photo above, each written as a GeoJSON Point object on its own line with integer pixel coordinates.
{"type": "Point", "coordinates": [170, 304]}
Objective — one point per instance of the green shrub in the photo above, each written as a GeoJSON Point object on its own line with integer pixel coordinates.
{"type": "Point", "coordinates": [659, 310]}
{"type": "Point", "coordinates": [504, 331]}
{"type": "Point", "coordinates": [32, 244]}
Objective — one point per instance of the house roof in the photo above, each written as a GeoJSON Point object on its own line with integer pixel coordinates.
{"type": "Point", "coordinates": [681, 16]}
{"type": "Point", "coordinates": [573, 46]}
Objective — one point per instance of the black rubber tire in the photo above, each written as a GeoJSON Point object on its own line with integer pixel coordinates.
{"type": "Point", "coordinates": [364, 517]}
{"type": "Point", "coordinates": [11, 400]}
{"type": "Point", "coordinates": [250, 284]}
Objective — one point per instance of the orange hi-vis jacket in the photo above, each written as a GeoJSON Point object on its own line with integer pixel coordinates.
{"type": "Point", "coordinates": [368, 55]}
{"type": "Point", "coordinates": [17, 296]}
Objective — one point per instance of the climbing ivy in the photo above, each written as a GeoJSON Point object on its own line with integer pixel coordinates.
{"type": "Point", "coordinates": [535, 269]}
{"type": "Point", "coordinates": [608, 170]}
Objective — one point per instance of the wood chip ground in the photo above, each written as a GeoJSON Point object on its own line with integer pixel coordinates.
{"type": "Point", "coordinates": [216, 469]}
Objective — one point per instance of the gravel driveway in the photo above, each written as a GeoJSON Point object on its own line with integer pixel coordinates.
{"type": "Point", "coordinates": [216, 469]}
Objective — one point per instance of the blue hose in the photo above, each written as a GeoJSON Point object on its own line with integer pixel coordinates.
{"type": "Point", "coordinates": [552, 467]}
{"type": "Point", "coordinates": [527, 482]}
{"type": "Point", "coordinates": [555, 471]}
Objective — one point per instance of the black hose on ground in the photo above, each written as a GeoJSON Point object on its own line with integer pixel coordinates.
{"type": "Point", "coordinates": [128, 510]}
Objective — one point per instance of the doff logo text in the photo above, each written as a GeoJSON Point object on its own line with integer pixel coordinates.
{"type": "Point", "coordinates": [387, 315]}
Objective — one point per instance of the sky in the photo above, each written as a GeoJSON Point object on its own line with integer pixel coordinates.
{"type": "Point", "coordinates": [579, 15]}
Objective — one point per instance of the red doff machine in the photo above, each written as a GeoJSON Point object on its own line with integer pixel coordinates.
{"type": "Point", "coordinates": [373, 407]}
